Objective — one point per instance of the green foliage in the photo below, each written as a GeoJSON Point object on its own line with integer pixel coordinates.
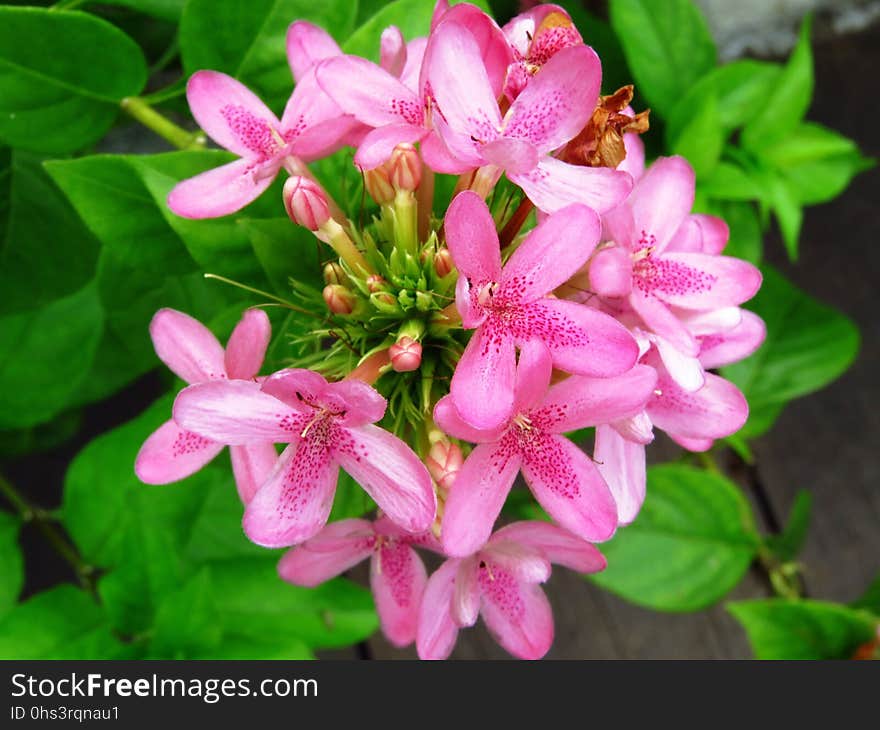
{"type": "Point", "coordinates": [787, 544]}
{"type": "Point", "coordinates": [11, 563]}
{"type": "Point", "coordinates": [783, 629]}
{"type": "Point", "coordinates": [691, 544]}
{"type": "Point", "coordinates": [62, 76]}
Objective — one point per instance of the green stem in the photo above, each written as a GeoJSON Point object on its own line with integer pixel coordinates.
{"type": "Point", "coordinates": [708, 462]}
{"type": "Point", "coordinates": [42, 521]}
{"type": "Point", "coordinates": [785, 582]}
{"type": "Point", "coordinates": [260, 292]}
{"type": "Point", "coordinates": [164, 127]}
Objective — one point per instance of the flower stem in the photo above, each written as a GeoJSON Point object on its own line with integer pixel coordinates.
{"type": "Point", "coordinates": [164, 127]}
{"type": "Point", "coordinates": [43, 523]}
{"type": "Point", "coordinates": [513, 226]}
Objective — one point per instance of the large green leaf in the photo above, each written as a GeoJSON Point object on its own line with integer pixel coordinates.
{"type": "Point", "coordinates": [784, 629]}
{"type": "Point", "coordinates": [186, 626]}
{"type": "Point", "coordinates": [246, 40]}
{"type": "Point", "coordinates": [61, 623]}
{"type": "Point", "coordinates": [701, 139]}
{"type": "Point", "coordinates": [286, 252]}
{"type": "Point", "coordinates": [169, 10]}
{"type": "Point", "coordinates": [667, 49]}
{"type": "Point", "coordinates": [689, 546]}
{"type": "Point", "coordinates": [62, 76]}
{"type": "Point", "coordinates": [11, 563]}
{"type": "Point", "coordinates": [808, 345]}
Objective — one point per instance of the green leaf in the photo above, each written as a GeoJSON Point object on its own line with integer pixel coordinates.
{"type": "Point", "coordinates": [350, 501]}
{"type": "Point", "coordinates": [746, 240]}
{"type": "Point", "coordinates": [667, 50]}
{"type": "Point", "coordinates": [62, 76]}
{"type": "Point", "coordinates": [808, 345]}
{"type": "Point", "coordinates": [870, 601]}
{"type": "Point", "coordinates": [789, 542]}
{"type": "Point", "coordinates": [46, 356]}
{"type": "Point", "coordinates": [728, 181]}
{"type": "Point", "coordinates": [789, 101]}
{"type": "Point", "coordinates": [11, 562]}
{"type": "Point", "coordinates": [186, 626]}
{"type": "Point", "coordinates": [691, 544]}
{"type": "Point", "coordinates": [285, 252]}
{"type": "Point", "coordinates": [246, 40]}
{"type": "Point", "coordinates": [169, 10]}
{"type": "Point", "coordinates": [783, 629]}
{"type": "Point", "coordinates": [788, 211]}
{"type": "Point", "coordinates": [701, 139]}
{"type": "Point", "coordinates": [61, 623]}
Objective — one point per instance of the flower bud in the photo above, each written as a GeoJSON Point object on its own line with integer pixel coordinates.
{"type": "Point", "coordinates": [334, 274]}
{"type": "Point", "coordinates": [375, 283]}
{"type": "Point", "coordinates": [406, 168]}
{"type": "Point", "coordinates": [385, 302]}
{"type": "Point", "coordinates": [443, 462]}
{"type": "Point", "coordinates": [443, 262]}
{"type": "Point", "coordinates": [406, 354]}
{"type": "Point", "coordinates": [339, 299]}
{"type": "Point", "coordinates": [378, 184]}
{"type": "Point", "coordinates": [306, 202]}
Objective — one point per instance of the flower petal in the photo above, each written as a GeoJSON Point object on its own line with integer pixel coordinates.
{"type": "Point", "coordinates": [252, 465]}
{"type": "Point", "coordinates": [335, 549]}
{"type": "Point", "coordinates": [558, 545]}
{"type": "Point", "coordinates": [186, 346]}
{"type": "Point", "coordinates": [569, 487]}
{"type": "Point", "coordinates": [476, 498]}
{"type": "Point", "coordinates": [553, 184]}
{"type": "Point", "coordinates": [398, 580]}
{"type": "Point", "coordinates": [376, 147]}
{"type": "Point", "coordinates": [472, 239]}
{"type": "Point", "coordinates": [392, 50]}
{"type": "Point", "coordinates": [715, 232]}
{"type": "Point", "coordinates": [391, 473]}
{"type": "Point", "coordinates": [622, 463]}
{"type": "Point", "coordinates": [551, 253]}
{"type": "Point", "coordinates": [221, 191]}
{"type": "Point", "coordinates": [662, 200]}
{"type": "Point", "coordinates": [170, 454]}
{"type": "Point", "coordinates": [437, 632]}
{"type": "Point", "coordinates": [247, 345]}
{"type": "Point", "coordinates": [701, 281]}
{"type": "Point", "coordinates": [611, 272]}
{"type": "Point", "coordinates": [448, 419]}
{"type": "Point", "coordinates": [685, 370]}
{"type": "Point", "coordinates": [313, 123]}
{"type": "Point", "coordinates": [581, 339]}
{"type": "Point", "coordinates": [465, 606]}
{"type": "Point", "coordinates": [657, 317]}
{"type": "Point", "coordinates": [236, 412]}
{"type": "Point", "coordinates": [735, 344]}
{"type": "Point", "coordinates": [307, 44]}
{"type": "Point", "coordinates": [634, 162]}
{"type": "Point", "coordinates": [294, 503]}
{"type": "Point", "coordinates": [533, 373]}
{"type": "Point", "coordinates": [511, 154]}
{"type": "Point", "coordinates": [524, 563]}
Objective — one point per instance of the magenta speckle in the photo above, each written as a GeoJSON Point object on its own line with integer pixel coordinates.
{"type": "Point", "coordinates": [255, 133]}
{"type": "Point", "coordinates": [188, 443]}
{"type": "Point", "coordinates": [500, 587]}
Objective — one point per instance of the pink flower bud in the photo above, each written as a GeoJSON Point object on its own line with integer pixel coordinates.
{"type": "Point", "coordinates": [339, 299]}
{"type": "Point", "coordinates": [334, 274]}
{"type": "Point", "coordinates": [443, 262]}
{"type": "Point", "coordinates": [406, 168]}
{"type": "Point", "coordinates": [378, 184]}
{"type": "Point", "coordinates": [406, 354]}
{"type": "Point", "coordinates": [306, 202]}
{"type": "Point", "coordinates": [443, 462]}
{"type": "Point", "coordinates": [375, 283]}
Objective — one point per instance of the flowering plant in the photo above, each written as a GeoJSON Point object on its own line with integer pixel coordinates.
{"type": "Point", "coordinates": [440, 271]}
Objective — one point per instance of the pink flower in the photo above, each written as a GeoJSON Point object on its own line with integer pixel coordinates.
{"type": "Point", "coordinates": [562, 478]}
{"type": "Point", "coordinates": [192, 352]}
{"type": "Point", "coordinates": [311, 127]}
{"type": "Point", "coordinates": [551, 110]}
{"type": "Point", "coordinates": [327, 425]}
{"type": "Point", "coordinates": [665, 261]}
{"type": "Point", "coordinates": [511, 307]}
{"type": "Point", "coordinates": [397, 574]}
{"type": "Point", "coordinates": [500, 582]}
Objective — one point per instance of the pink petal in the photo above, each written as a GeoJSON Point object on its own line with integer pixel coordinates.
{"type": "Point", "coordinates": [368, 92]}
{"type": "Point", "coordinates": [465, 606]}
{"type": "Point", "coordinates": [437, 156]}
{"type": "Point", "coordinates": [580, 402]}
{"type": "Point", "coordinates": [391, 473]}
{"type": "Point", "coordinates": [735, 344]}
{"type": "Point", "coordinates": [236, 413]}
{"type": "Point", "coordinates": [569, 487]}
{"type": "Point", "coordinates": [252, 465]}
{"type": "Point", "coordinates": [398, 580]}
{"type": "Point", "coordinates": [448, 419]}
{"type": "Point", "coordinates": [472, 239]}
{"type": "Point", "coordinates": [299, 388]}
{"type": "Point", "coordinates": [638, 428]}
{"type": "Point", "coordinates": [476, 498]}
{"type": "Point", "coordinates": [634, 162]}
{"type": "Point", "coordinates": [361, 402]}
{"type": "Point", "coordinates": [581, 339]}
{"type": "Point", "coordinates": [247, 345]}
{"type": "Point", "coordinates": [335, 549]}
{"type": "Point", "coordinates": [463, 149]}
{"type": "Point", "coordinates": [392, 52]}
{"type": "Point", "coordinates": [170, 454]}
{"type": "Point", "coordinates": [559, 100]}
{"type": "Point", "coordinates": [524, 563]}
{"type": "Point", "coordinates": [186, 346]}
{"type": "Point", "coordinates": [533, 373]}
{"type": "Point", "coordinates": [656, 315]}
{"type": "Point", "coordinates": [611, 272]}
{"type": "Point", "coordinates": [662, 199]}
{"type": "Point", "coordinates": [516, 156]}
{"type": "Point", "coordinates": [437, 632]}
{"type": "Point", "coordinates": [231, 114]}
{"type": "Point", "coordinates": [482, 385]}
{"type": "Point", "coordinates": [695, 445]}
{"type": "Point", "coordinates": [376, 147]}
{"type": "Point", "coordinates": [551, 253]}
{"type": "Point", "coordinates": [700, 281]}
{"type": "Point", "coordinates": [553, 184]}
{"type": "Point", "coordinates": [715, 233]}
{"type": "Point", "coordinates": [221, 191]}
{"type": "Point", "coordinates": [308, 44]}
{"type": "Point", "coordinates": [687, 239]}
{"type": "Point", "coordinates": [685, 370]}
{"type": "Point", "coordinates": [294, 503]}
{"type": "Point", "coordinates": [517, 614]}
{"type": "Point", "coordinates": [558, 545]}
{"type": "Point", "coordinates": [618, 227]}
{"type": "Point", "coordinates": [622, 463]}
{"type": "Point", "coordinates": [412, 68]}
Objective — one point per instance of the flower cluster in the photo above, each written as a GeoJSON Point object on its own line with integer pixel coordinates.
{"type": "Point", "coordinates": [564, 285]}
